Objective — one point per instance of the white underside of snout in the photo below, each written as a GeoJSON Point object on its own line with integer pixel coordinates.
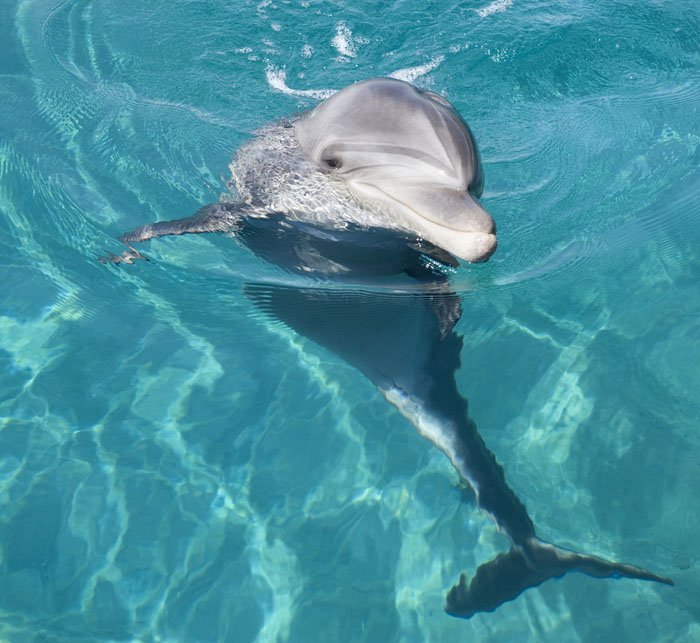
{"type": "Point", "coordinates": [459, 225]}
{"type": "Point", "coordinates": [469, 246]}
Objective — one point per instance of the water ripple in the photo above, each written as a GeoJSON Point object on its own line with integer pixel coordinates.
{"type": "Point", "coordinates": [176, 465]}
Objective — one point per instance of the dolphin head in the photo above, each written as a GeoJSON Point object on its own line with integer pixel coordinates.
{"type": "Point", "coordinates": [410, 154]}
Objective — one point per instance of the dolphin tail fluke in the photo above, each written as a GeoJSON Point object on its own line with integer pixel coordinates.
{"type": "Point", "coordinates": [496, 582]}
{"type": "Point", "coordinates": [508, 575]}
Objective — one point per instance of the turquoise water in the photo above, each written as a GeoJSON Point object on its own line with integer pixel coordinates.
{"type": "Point", "coordinates": [174, 466]}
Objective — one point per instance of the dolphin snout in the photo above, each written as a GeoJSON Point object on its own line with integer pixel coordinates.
{"type": "Point", "coordinates": [483, 246]}
{"type": "Point", "coordinates": [480, 220]}
{"type": "Point", "coordinates": [482, 234]}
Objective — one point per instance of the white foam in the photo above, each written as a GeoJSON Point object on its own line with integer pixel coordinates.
{"type": "Point", "coordinates": [344, 42]}
{"type": "Point", "coordinates": [498, 6]}
{"type": "Point", "coordinates": [410, 74]}
{"type": "Point", "coordinates": [262, 7]}
{"type": "Point", "coordinates": [277, 80]}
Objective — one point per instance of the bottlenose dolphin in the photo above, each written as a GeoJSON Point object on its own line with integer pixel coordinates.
{"type": "Point", "coordinates": [379, 184]}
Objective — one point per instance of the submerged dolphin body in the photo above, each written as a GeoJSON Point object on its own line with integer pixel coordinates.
{"type": "Point", "coordinates": [379, 184]}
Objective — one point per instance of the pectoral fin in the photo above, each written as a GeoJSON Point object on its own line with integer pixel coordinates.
{"type": "Point", "coordinates": [217, 217]}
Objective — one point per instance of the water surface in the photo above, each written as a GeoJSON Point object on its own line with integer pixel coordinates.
{"type": "Point", "coordinates": [176, 466]}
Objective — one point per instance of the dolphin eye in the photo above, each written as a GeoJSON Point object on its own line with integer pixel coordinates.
{"type": "Point", "coordinates": [331, 163]}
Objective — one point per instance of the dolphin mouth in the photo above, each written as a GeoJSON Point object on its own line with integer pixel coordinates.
{"type": "Point", "coordinates": [469, 245]}
{"type": "Point", "coordinates": [450, 219]}
{"type": "Point", "coordinates": [473, 247]}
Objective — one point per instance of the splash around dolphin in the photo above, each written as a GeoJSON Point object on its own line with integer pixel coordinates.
{"type": "Point", "coordinates": [382, 180]}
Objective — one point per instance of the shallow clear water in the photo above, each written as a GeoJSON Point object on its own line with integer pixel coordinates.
{"type": "Point", "coordinates": [174, 466]}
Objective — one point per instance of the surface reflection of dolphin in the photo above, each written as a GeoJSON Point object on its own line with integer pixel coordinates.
{"type": "Point", "coordinates": [400, 335]}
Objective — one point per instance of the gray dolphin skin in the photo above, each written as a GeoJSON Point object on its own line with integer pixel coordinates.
{"type": "Point", "coordinates": [380, 184]}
